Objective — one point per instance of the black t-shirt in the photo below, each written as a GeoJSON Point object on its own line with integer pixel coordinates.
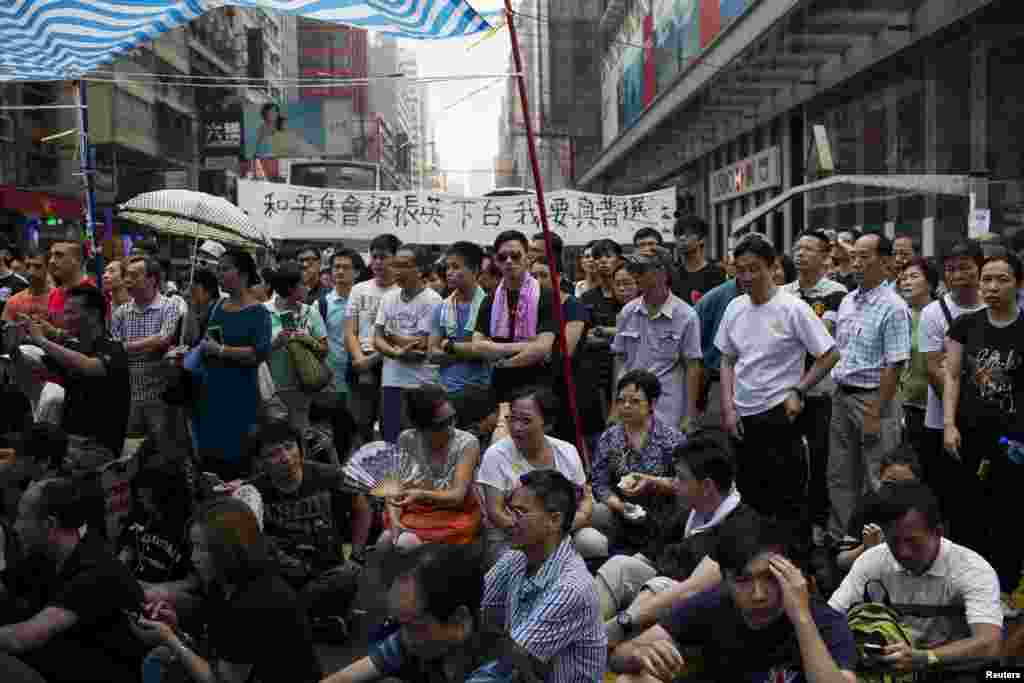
{"type": "Point", "coordinates": [307, 517]}
{"type": "Point", "coordinates": [690, 287]}
{"type": "Point", "coordinates": [676, 556]}
{"type": "Point", "coordinates": [509, 380]}
{"type": "Point", "coordinates": [97, 406]}
{"type": "Point", "coordinates": [160, 549]}
{"type": "Point", "coordinates": [734, 652]}
{"type": "Point", "coordinates": [100, 646]}
{"type": "Point", "coordinates": [10, 284]}
{"type": "Point", "coordinates": [595, 359]}
{"type": "Point", "coordinates": [572, 311]}
{"type": "Point", "coordinates": [992, 376]}
{"type": "Point", "coordinates": [265, 626]}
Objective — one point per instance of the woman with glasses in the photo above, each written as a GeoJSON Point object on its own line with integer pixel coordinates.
{"type": "Point", "coordinates": [442, 508]}
{"type": "Point", "coordinates": [633, 465]}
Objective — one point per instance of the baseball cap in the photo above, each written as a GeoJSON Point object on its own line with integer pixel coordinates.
{"type": "Point", "coordinates": [212, 249]}
{"type": "Point", "coordinates": [660, 258]}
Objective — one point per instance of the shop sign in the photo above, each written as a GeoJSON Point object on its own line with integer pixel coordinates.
{"type": "Point", "coordinates": [759, 172]}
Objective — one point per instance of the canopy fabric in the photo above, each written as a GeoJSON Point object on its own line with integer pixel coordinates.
{"type": "Point", "coordinates": [66, 39]}
{"type": "Point", "coordinates": [193, 214]}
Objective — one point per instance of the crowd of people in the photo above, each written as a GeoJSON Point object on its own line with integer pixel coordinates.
{"type": "Point", "coordinates": [865, 412]}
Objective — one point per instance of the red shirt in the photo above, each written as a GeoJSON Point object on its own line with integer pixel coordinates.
{"type": "Point", "coordinates": [58, 295]}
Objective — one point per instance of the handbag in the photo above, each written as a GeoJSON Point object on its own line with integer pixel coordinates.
{"type": "Point", "coordinates": [312, 373]}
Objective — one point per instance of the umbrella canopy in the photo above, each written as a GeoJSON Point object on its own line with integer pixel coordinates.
{"type": "Point", "coordinates": [66, 39]}
{"type": "Point", "coordinates": [193, 214]}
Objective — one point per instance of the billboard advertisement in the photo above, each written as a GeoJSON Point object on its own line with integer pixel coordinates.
{"type": "Point", "coordinates": [658, 41]}
{"type": "Point", "coordinates": [289, 129]}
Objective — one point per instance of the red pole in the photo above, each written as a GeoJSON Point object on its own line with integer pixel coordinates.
{"type": "Point", "coordinates": [549, 251]}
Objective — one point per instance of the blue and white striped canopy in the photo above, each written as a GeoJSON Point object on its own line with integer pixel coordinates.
{"type": "Point", "coordinates": [66, 39]}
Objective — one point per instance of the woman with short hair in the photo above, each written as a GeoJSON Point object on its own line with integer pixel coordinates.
{"type": "Point", "coordinates": [442, 507]}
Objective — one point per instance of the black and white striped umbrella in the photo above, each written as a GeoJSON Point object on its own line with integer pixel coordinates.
{"type": "Point", "coordinates": [193, 214]}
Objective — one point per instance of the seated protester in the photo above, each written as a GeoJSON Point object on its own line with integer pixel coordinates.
{"type": "Point", "coordinates": [93, 366]}
{"type": "Point", "coordinates": [256, 629]}
{"type": "Point", "coordinates": [476, 412]}
{"type": "Point", "coordinates": [38, 454]}
{"type": "Point", "coordinates": [435, 634]}
{"type": "Point", "coordinates": [763, 623]}
{"type": "Point", "coordinates": [515, 328]}
{"type": "Point", "coordinates": [78, 630]}
{"type": "Point", "coordinates": [442, 508]}
{"type": "Point", "coordinates": [709, 502]}
{"type": "Point", "coordinates": [634, 466]}
{"type": "Point", "coordinates": [900, 465]}
{"type": "Point", "coordinates": [154, 544]}
{"type": "Point", "coordinates": [528, 448]}
{"type": "Point", "coordinates": [540, 592]}
{"type": "Point", "coordinates": [920, 568]}
{"type": "Point", "coordinates": [302, 522]}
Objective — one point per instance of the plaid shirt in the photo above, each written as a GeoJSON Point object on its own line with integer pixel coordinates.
{"type": "Point", "coordinates": [872, 333]}
{"type": "Point", "coordinates": [554, 615]}
{"type": "Point", "coordinates": [128, 324]}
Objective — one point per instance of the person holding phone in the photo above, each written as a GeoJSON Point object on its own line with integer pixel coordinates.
{"type": "Point", "coordinates": [256, 628]}
{"type": "Point", "coordinates": [237, 341]}
{"type": "Point", "coordinates": [291, 318]}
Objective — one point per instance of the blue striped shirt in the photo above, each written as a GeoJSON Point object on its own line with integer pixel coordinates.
{"type": "Point", "coordinates": [554, 615]}
{"type": "Point", "coordinates": [872, 333]}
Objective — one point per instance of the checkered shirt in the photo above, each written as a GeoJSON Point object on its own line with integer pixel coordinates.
{"type": "Point", "coordinates": [554, 615]}
{"type": "Point", "coordinates": [872, 333]}
{"type": "Point", "coordinates": [129, 323]}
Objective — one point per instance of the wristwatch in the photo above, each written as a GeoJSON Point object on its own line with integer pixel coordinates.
{"type": "Point", "coordinates": [625, 621]}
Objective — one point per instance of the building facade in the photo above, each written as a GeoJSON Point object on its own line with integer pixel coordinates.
{"type": "Point", "coordinates": [736, 102]}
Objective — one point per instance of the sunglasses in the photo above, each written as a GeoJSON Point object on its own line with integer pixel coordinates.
{"type": "Point", "coordinates": [514, 256]}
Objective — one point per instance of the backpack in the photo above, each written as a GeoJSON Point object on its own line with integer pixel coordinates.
{"type": "Point", "coordinates": [877, 623]}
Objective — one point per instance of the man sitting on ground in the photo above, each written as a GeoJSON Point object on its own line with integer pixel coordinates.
{"type": "Point", "coordinates": [435, 633]}
{"type": "Point", "coordinates": [540, 592]}
{"type": "Point", "coordinates": [78, 630]}
{"type": "Point", "coordinates": [761, 624]}
{"type": "Point", "coordinates": [952, 589]}
{"type": "Point", "coordinates": [704, 475]}
{"type": "Point", "coordinates": [300, 509]}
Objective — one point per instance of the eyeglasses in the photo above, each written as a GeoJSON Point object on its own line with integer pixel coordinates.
{"type": "Point", "coordinates": [514, 256]}
{"type": "Point", "coordinates": [632, 400]}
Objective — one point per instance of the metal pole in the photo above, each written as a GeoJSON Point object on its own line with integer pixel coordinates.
{"type": "Point", "coordinates": [88, 175]}
{"type": "Point", "coordinates": [549, 251]}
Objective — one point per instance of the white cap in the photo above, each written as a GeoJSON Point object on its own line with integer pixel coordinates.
{"type": "Point", "coordinates": [212, 248]}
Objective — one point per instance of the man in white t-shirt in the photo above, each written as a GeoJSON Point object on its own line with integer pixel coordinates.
{"type": "Point", "coordinates": [947, 594]}
{"type": "Point", "coordinates": [764, 338]}
{"type": "Point", "coordinates": [528, 448]}
{"type": "Point", "coordinates": [962, 269]}
{"type": "Point", "coordinates": [400, 336]}
{"type": "Point", "coordinates": [360, 321]}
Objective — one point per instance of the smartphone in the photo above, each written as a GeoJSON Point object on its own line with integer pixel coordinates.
{"type": "Point", "coordinates": [873, 649]}
{"type": "Point", "coordinates": [288, 320]}
{"type": "Point", "coordinates": [216, 333]}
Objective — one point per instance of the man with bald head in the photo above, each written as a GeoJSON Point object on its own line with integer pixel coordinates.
{"type": "Point", "coordinates": [78, 630]}
{"type": "Point", "coordinates": [66, 257]}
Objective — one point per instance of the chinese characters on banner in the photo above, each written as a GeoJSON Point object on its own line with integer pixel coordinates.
{"type": "Point", "coordinates": [308, 213]}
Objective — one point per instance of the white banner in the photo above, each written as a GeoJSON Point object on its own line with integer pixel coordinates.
{"type": "Point", "coordinates": [309, 213]}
